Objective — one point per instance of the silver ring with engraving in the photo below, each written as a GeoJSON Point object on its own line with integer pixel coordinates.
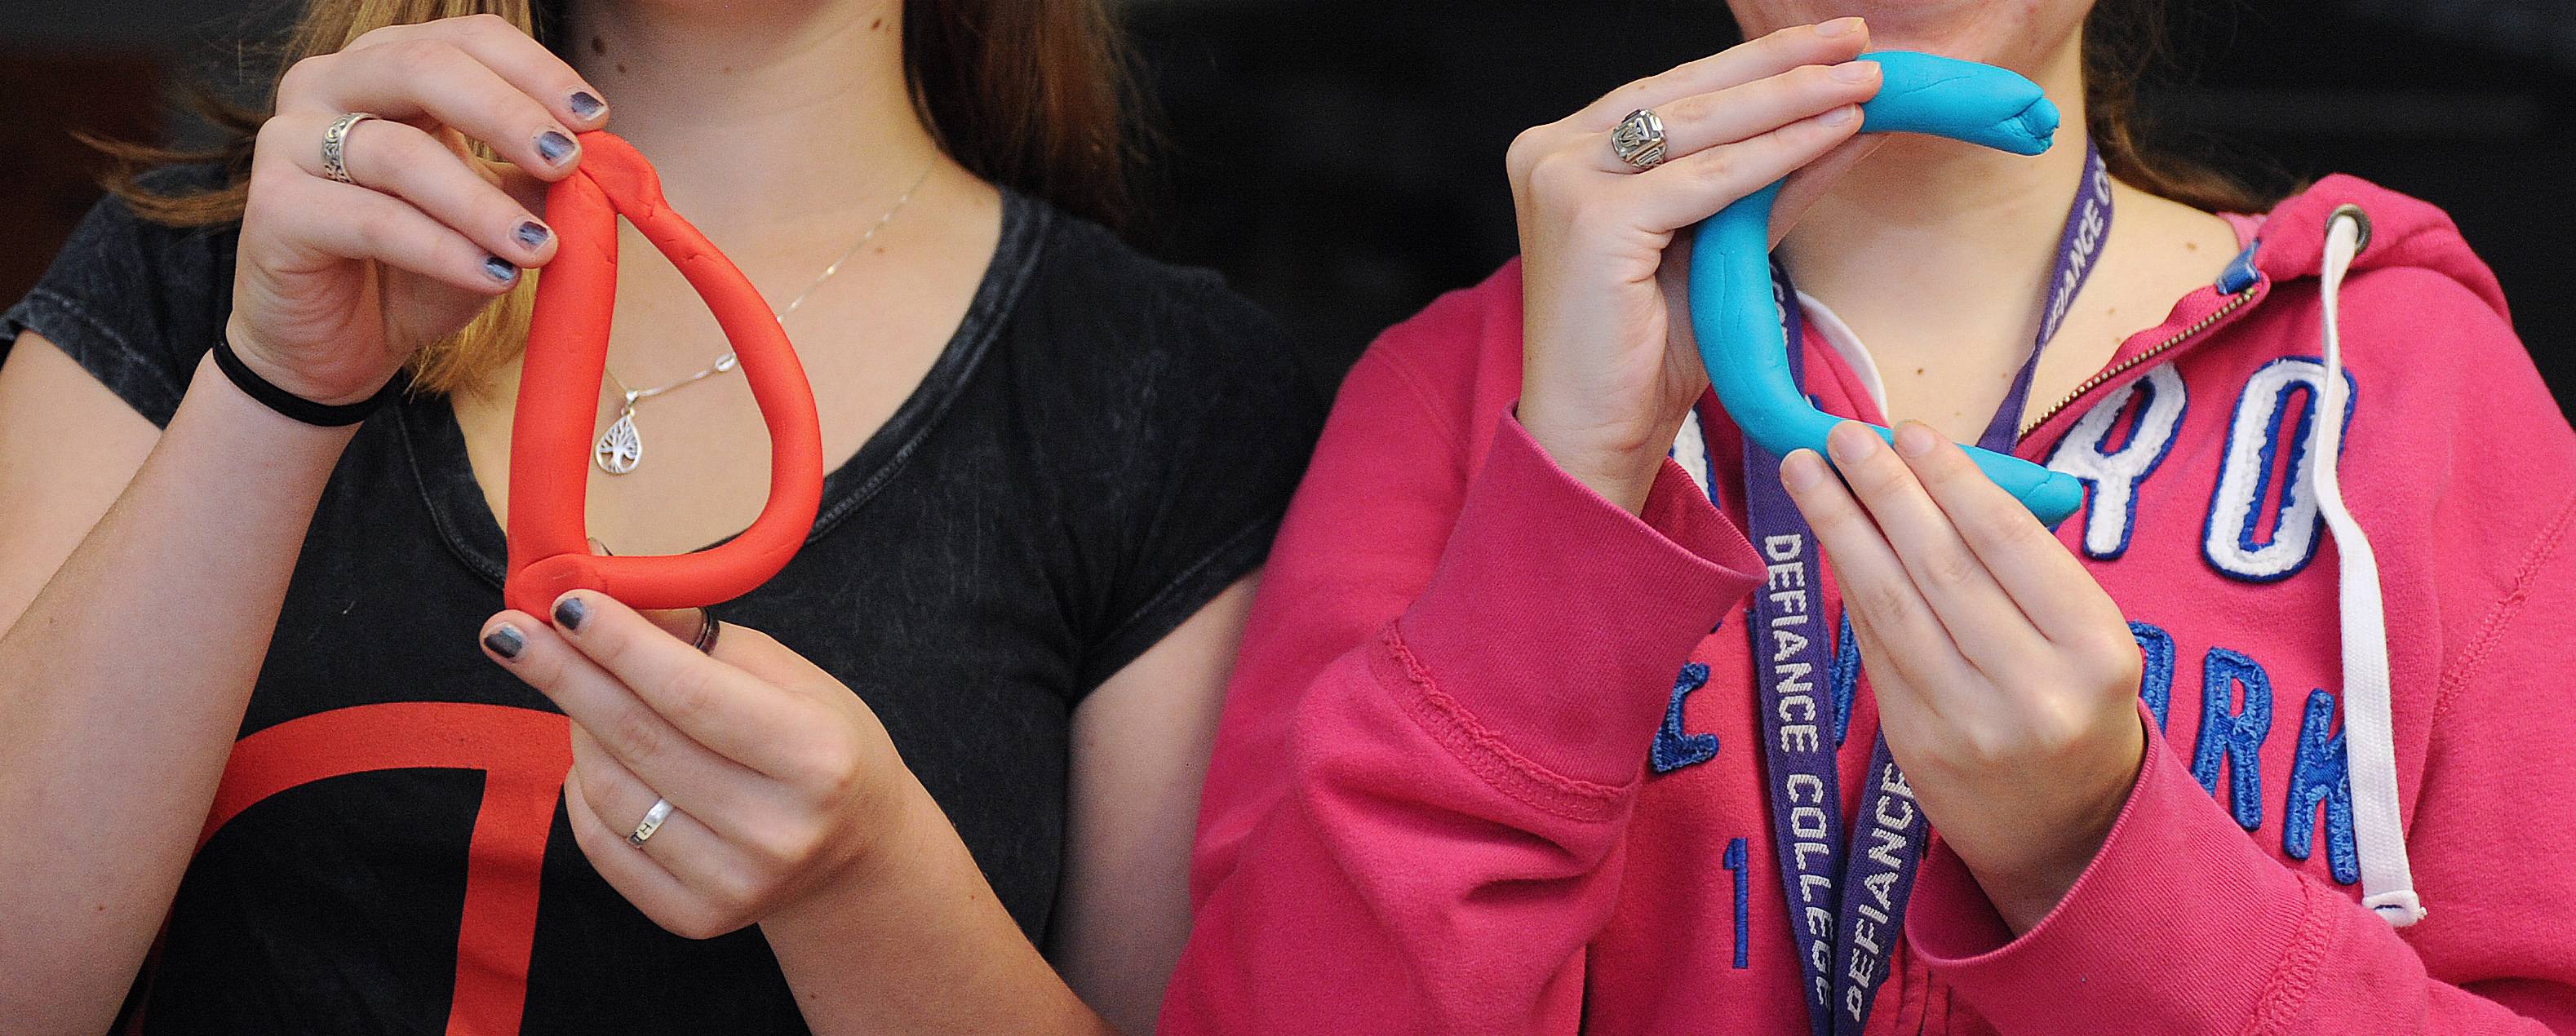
{"type": "Point", "coordinates": [335, 145]}
{"type": "Point", "coordinates": [1639, 139]}
{"type": "Point", "coordinates": [653, 819]}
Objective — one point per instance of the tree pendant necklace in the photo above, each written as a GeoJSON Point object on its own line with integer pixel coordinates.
{"type": "Point", "coordinates": [621, 447]}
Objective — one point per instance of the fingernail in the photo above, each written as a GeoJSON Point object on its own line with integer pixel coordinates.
{"type": "Point", "coordinates": [506, 641]}
{"type": "Point", "coordinates": [1801, 470]}
{"type": "Point", "coordinates": [1914, 438]}
{"type": "Point", "coordinates": [531, 234]}
{"type": "Point", "coordinates": [500, 269]}
{"type": "Point", "coordinates": [1852, 441]}
{"type": "Point", "coordinates": [569, 612]}
{"type": "Point", "coordinates": [1840, 116]}
{"type": "Point", "coordinates": [585, 106]}
{"type": "Point", "coordinates": [1839, 27]}
{"type": "Point", "coordinates": [553, 147]}
{"type": "Point", "coordinates": [1856, 71]}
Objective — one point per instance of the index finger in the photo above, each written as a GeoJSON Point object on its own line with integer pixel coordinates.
{"type": "Point", "coordinates": [478, 76]}
{"type": "Point", "coordinates": [1825, 43]}
{"type": "Point", "coordinates": [516, 57]}
{"type": "Point", "coordinates": [2053, 589]}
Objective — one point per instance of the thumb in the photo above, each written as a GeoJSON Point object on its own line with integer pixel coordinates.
{"type": "Point", "coordinates": [1808, 184]}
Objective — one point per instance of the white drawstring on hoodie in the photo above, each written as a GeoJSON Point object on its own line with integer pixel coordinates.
{"type": "Point", "coordinates": [2370, 738]}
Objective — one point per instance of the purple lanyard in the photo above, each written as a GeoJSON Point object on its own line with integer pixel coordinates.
{"type": "Point", "coordinates": [1843, 937]}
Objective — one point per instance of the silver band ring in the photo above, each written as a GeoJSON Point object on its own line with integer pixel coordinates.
{"type": "Point", "coordinates": [708, 627]}
{"type": "Point", "coordinates": [1639, 139]}
{"type": "Point", "coordinates": [335, 144]}
{"type": "Point", "coordinates": [653, 819]}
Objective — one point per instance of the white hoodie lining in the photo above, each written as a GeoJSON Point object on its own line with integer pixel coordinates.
{"type": "Point", "coordinates": [1691, 452]}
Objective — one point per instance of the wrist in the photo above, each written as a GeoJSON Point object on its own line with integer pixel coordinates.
{"type": "Point", "coordinates": [211, 392]}
{"type": "Point", "coordinates": [2034, 871]}
{"type": "Point", "coordinates": [326, 412]}
{"type": "Point", "coordinates": [2027, 890]}
{"type": "Point", "coordinates": [903, 846]}
{"type": "Point", "coordinates": [1621, 469]}
{"type": "Point", "coordinates": [911, 938]}
{"type": "Point", "coordinates": [262, 364]}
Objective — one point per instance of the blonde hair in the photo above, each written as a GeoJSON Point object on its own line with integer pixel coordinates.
{"type": "Point", "coordinates": [1029, 95]}
{"type": "Point", "coordinates": [486, 343]}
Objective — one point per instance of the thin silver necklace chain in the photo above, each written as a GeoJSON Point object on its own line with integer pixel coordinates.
{"type": "Point", "coordinates": [621, 447]}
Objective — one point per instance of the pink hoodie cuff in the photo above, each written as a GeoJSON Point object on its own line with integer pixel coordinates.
{"type": "Point", "coordinates": [1556, 620]}
{"type": "Point", "coordinates": [2180, 924]}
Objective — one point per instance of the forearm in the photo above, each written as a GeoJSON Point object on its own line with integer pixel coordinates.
{"type": "Point", "coordinates": [914, 941]}
{"type": "Point", "coordinates": [122, 685]}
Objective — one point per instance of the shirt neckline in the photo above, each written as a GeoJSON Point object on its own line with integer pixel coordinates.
{"type": "Point", "coordinates": [434, 444]}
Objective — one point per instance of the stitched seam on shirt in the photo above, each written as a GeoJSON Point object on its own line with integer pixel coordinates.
{"type": "Point", "coordinates": [1488, 755]}
{"type": "Point", "coordinates": [2506, 610]}
{"type": "Point", "coordinates": [126, 351]}
{"type": "Point", "coordinates": [2297, 973]}
{"type": "Point", "coordinates": [1420, 390]}
{"type": "Point", "coordinates": [960, 360]}
{"type": "Point", "coordinates": [1189, 576]}
{"type": "Point", "coordinates": [450, 534]}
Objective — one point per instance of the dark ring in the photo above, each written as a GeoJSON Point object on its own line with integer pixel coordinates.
{"type": "Point", "coordinates": [708, 627]}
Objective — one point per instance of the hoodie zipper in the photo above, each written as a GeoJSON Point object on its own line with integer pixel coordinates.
{"type": "Point", "coordinates": [2105, 375]}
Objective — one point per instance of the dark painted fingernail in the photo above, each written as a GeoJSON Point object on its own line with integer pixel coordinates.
{"type": "Point", "coordinates": [532, 234]}
{"type": "Point", "coordinates": [553, 147]}
{"type": "Point", "coordinates": [569, 612]}
{"type": "Point", "coordinates": [500, 269]}
{"type": "Point", "coordinates": [585, 106]}
{"type": "Point", "coordinates": [505, 641]}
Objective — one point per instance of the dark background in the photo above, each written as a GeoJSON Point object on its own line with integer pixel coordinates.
{"type": "Point", "coordinates": [1340, 160]}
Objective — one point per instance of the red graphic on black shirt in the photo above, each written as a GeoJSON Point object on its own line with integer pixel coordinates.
{"type": "Point", "coordinates": [523, 754]}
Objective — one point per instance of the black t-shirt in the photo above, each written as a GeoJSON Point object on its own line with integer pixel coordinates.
{"type": "Point", "coordinates": [1105, 444]}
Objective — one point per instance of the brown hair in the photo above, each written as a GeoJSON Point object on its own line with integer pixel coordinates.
{"type": "Point", "coordinates": [2126, 42]}
{"type": "Point", "coordinates": [1032, 96]}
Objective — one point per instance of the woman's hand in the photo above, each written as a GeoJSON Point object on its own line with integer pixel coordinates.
{"type": "Point", "coordinates": [1609, 368]}
{"type": "Point", "coordinates": [2007, 681]}
{"type": "Point", "coordinates": [338, 283]}
{"type": "Point", "coordinates": [781, 782]}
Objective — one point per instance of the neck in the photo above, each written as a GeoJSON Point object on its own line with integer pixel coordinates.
{"type": "Point", "coordinates": [758, 114]}
{"type": "Point", "coordinates": [1925, 226]}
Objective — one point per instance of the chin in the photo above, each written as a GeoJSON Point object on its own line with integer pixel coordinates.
{"type": "Point", "coordinates": [2022, 35]}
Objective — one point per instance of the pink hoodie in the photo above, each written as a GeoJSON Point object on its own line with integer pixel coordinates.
{"type": "Point", "coordinates": [1431, 808]}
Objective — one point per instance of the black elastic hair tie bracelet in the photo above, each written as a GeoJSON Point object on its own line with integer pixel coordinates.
{"type": "Point", "coordinates": [298, 407]}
